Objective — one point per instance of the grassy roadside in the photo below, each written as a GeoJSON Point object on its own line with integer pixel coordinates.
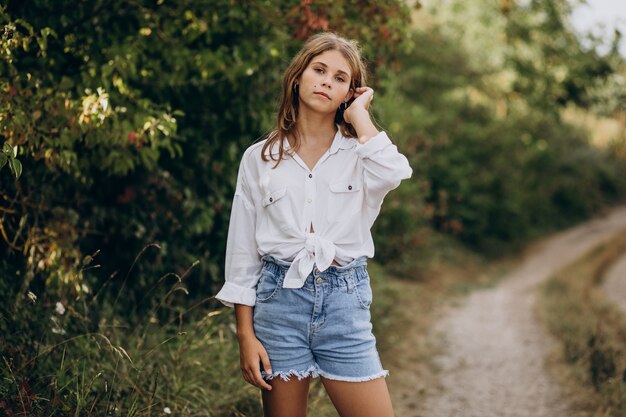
{"type": "Point", "coordinates": [185, 368]}
{"type": "Point", "coordinates": [591, 360]}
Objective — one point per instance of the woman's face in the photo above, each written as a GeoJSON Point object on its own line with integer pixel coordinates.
{"type": "Point", "coordinates": [325, 82]}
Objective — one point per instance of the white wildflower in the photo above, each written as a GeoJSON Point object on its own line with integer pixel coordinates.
{"type": "Point", "coordinates": [167, 410]}
{"type": "Point", "coordinates": [60, 308]}
{"type": "Point", "coordinates": [56, 328]}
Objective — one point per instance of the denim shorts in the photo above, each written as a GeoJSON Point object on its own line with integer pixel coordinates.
{"type": "Point", "coordinates": [323, 328]}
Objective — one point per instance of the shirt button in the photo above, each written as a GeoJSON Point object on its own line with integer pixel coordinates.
{"type": "Point", "coordinates": [349, 187]}
{"type": "Point", "coordinates": [319, 280]}
{"type": "Point", "coordinates": [310, 175]}
{"type": "Point", "coordinates": [271, 199]}
{"type": "Point", "coordinates": [309, 201]}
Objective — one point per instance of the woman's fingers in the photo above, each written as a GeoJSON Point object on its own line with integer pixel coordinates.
{"type": "Point", "coordinates": [252, 375]}
{"type": "Point", "coordinates": [255, 378]}
{"type": "Point", "coordinates": [260, 382]}
{"type": "Point", "coordinates": [364, 95]}
{"type": "Point", "coordinates": [363, 90]}
{"type": "Point", "coordinates": [265, 361]}
{"type": "Point", "coordinates": [246, 377]}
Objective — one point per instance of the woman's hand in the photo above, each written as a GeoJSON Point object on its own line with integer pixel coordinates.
{"type": "Point", "coordinates": [362, 98]}
{"type": "Point", "coordinates": [358, 116]}
{"type": "Point", "coordinates": [251, 353]}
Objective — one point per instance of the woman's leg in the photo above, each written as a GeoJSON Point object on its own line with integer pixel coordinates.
{"type": "Point", "coordinates": [360, 399]}
{"type": "Point", "coordinates": [287, 398]}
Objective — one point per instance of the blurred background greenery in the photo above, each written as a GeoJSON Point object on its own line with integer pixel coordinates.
{"type": "Point", "coordinates": [121, 128]}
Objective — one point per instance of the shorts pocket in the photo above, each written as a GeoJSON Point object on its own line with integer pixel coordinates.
{"type": "Point", "coordinates": [363, 291]}
{"type": "Point", "coordinates": [267, 287]}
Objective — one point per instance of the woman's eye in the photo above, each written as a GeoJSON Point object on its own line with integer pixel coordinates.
{"type": "Point", "coordinates": [340, 79]}
{"type": "Point", "coordinates": [318, 70]}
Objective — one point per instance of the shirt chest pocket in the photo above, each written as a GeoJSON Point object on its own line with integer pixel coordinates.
{"type": "Point", "coordinates": [271, 199]}
{"type": "Point", "coordinates": [277, 212]}
{"type": "Point", "coordinates": [345, 199]}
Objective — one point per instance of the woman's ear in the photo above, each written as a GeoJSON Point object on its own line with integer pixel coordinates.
{"type": "Point", "coordinates": [350, 94]}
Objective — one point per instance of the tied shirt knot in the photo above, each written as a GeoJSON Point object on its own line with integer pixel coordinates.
{"type": "Point", "coordinates": [317, 252]}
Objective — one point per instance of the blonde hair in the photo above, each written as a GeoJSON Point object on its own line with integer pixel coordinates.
{"type": "Point", "coordinates": [288, 110]}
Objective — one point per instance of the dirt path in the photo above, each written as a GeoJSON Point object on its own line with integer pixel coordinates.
{"type": "Point", "coordinates": [492, 348]}
{"type": "Point", "coordinates": [615, 283]}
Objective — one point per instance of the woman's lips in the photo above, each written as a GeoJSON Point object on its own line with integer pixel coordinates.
{"type": "Point", "coordinates": [323, 94]}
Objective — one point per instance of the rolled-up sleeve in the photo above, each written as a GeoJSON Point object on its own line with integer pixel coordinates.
{"type": "Point", "coordinates": [243, 263]}
{"type": "Point", "coordinates": [384, 168]}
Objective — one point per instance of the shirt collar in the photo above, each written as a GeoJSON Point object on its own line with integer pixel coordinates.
{"type": "Point", "coordinates": [339, 142]}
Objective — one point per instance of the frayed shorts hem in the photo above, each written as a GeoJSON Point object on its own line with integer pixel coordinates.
{"type": "Point", "coordinates": [381, 374]}
{"type": "Point", "coordinates": [313, 371]}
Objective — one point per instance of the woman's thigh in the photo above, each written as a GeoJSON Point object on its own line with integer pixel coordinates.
{"type": "Point", "coordinates": [360, 399]}
{"type": "Point", "coordinates": [287, 398]}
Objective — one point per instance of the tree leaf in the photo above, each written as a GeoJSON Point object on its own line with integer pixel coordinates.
{"type": "Point", "coordinates": [17, 166]}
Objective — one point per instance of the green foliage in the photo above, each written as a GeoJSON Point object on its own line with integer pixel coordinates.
{"type": "Point", "coordinates": [8, 154]}
{"type": "Point", "coordinates": [495, 164]}
{"type": "Point", "coordinates": [131, 129]}
{"type": "Point", "coordinates": [74, 357]}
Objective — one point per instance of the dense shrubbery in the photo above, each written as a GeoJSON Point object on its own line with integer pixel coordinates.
{"type": "Point", "coordinates": [494, 162]}
{"type": "Point", "coordinates": [129, 119]}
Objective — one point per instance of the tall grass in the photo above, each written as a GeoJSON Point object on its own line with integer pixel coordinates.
{"type": "Point", "coordinates": [591, 361]}
{"type": "Point", "coordinates": [103, 354]}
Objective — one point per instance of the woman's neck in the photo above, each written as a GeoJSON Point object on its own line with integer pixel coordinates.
{"type": "Point", "coordinates": [316, 129]}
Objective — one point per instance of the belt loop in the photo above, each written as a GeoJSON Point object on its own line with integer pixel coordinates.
{"type": "Point", "coordinates": [350, 282]}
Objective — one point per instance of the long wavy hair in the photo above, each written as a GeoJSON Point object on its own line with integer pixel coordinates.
{"type": "Point", "coordinates": [289, 103]}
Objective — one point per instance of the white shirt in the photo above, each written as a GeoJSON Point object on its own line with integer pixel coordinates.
{"type": "Point", "coordinates": [273, 210]}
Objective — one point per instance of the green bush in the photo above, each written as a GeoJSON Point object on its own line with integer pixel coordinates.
{"type": "Point", "coordinates": [489, 177]}
{"type": "Point", "coordinates": [130, 119]}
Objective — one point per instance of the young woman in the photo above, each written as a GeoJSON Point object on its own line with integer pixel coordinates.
{"type": "Point", "coordinates": [299, 238]}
